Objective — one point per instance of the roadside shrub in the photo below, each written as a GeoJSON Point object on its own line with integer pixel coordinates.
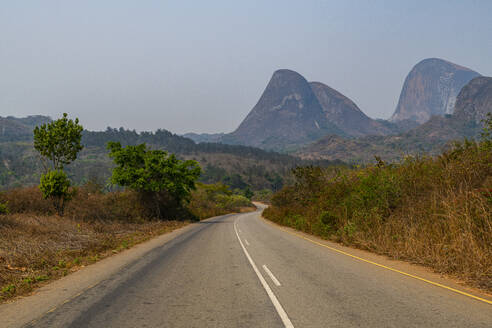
{"type": "Point", "coordinates": [432, 211]}
{"type": "Point", "coordinates": [216, 199]}
{"type": "Point", "coordinates": [4, 208]}
{"type": "Point", "coordinates": [327, 218]}
{"type": "Point", "coordinates": [55, 186]}
{"type": "Point", "coordinates": [264, 195]}
{"type": "Point", "coordinates": [90, 204]}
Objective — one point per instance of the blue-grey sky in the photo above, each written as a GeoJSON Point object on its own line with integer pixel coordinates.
{"type": "Point", "coordinates": [201, 65]}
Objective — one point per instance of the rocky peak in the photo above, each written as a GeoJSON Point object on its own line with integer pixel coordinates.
{"type": "Point", "coordinates": [286, 115]}
{"type": "Point", "coordinates": [475, 100]}
{"type": "Point", "coordinates": [430, 89]}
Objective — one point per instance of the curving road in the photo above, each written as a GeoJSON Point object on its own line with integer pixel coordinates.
{"type": "Point", "coordinates": [239, 271]}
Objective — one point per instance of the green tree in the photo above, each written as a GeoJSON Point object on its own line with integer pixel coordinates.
{"type": "Point", "coordinates": [248, 193]}
{"type": "Point", "coordinates": [58, 143]}
{"type": "Point", "coordinates": [160, 178]}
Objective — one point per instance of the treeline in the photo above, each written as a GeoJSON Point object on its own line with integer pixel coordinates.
{"type": "Point", "coordinates": [174, 143]}
{"type": "Point", "coordinates": [162, 138]}
{"type": "Point", "coordinates": [436, 211]}
{"type": "Point", "coordinates": [239, 167]}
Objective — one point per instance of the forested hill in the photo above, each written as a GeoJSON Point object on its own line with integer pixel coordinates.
{"type": "Point", "coordinates": [163, 138]}
{"type": "Point", "coordinates": [19, 129]}
{"type": "Point", "coordinates": [237, 166]}
{"type": "Point", "coordinates": [174, 143]}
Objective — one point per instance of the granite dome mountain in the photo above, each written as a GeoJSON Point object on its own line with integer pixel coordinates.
{"type": "Point", "coordinates": [431, 89]}
{"type": "Point", "coordinates": [293, 112]}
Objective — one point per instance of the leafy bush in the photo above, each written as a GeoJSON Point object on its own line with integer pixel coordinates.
{"type": "Point", "coordinates": [4, 208]}
{"type": "Point", "coordinates": [216, 199]}
{"type": "Point", "coordinates": [55, 185]}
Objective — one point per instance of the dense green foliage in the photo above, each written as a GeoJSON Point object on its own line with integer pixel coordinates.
{"type": "Point", "coordinates": [59, 141]}
{"type": "Point", "coordinates": [216, 199]}
{"type": "Point", "coordinates": [432, 210]}
{"type": "Point", "coordinates": [55, 185]}
{"type": "Point", "coordinates": [157, 176]}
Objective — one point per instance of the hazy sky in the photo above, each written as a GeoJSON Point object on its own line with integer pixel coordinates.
{"type": "Point", "coordinates": [201, 65]}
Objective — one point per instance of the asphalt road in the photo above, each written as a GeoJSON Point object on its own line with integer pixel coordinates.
{"type": "Point", "coordinates": [239, 271]}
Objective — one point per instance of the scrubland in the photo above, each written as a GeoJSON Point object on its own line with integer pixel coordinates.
{"type": "Point", "coordinates": [434, 211]}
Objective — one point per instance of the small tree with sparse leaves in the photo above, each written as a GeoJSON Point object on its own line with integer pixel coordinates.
{"type": "Point", "coordinates": [58, 143]}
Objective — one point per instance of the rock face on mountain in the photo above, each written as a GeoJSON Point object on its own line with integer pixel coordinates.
{"type": "Point", "coordinates": [345, 114]}
{"type": "Point", "coordinates": [474, 100]}
{"type": "Point", "coordinates": [288, 114]}
{"type": "Point", "coordinates": [430, 89]}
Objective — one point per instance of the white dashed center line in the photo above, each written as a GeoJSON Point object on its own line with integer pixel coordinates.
{"type": "Point", "coordinates": [275, 280]}
{"type": "Point", "coordinates": [280, 310]}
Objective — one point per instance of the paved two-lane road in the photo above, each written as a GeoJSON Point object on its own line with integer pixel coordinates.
{"type": "Point", "coordinates": [238, 271]}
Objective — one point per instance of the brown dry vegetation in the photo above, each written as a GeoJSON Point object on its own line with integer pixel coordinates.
{"type": "Point", "coordinates": [431, 211]}
{"type": "Point", "coordinates": [36, 245]}
{"type": "Point", "coordinates": [34, 249]}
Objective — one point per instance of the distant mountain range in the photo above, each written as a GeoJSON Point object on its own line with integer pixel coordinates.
{"type": "Point", "coordinates": [316, 121]}
{"type": "Point", "coordinates": [440, 101]}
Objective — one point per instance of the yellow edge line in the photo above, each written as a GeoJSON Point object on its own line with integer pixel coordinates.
{"type": "Point", "coordinates": [381, 265]}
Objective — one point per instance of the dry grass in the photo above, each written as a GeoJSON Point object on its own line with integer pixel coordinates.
{"type": "Point", "coordinates": [36, 248]}
{"type": "Point", "coordinates": [431, 211]}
